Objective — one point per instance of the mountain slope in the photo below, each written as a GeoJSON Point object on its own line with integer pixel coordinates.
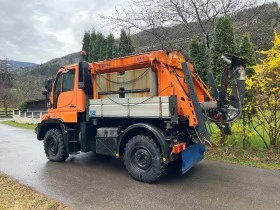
{"type": "Point", "coordinates": [260, 22]}
{"type": "Point", "coordinates": [20, 64]}
{"type": "Point", "coordinates": [50, 68]}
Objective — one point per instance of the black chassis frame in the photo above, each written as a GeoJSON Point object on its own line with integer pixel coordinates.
{"type": "Point", "coordinates": [86, 132]}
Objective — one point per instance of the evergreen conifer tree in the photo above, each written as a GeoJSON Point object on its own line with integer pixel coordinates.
{"type": "Point", "coordinates": [129, 46]}
{"type": "Point", "coordinates": [197, 53]}
{"type": "Point", "coordinates": [122, 43]}
{"type": "Point", "coordinates": [109, 48]}
{"type": "Point", "coordinates": [125, 46]}
{"type": "Point", "coordinates": [246, 51]}
{"type": "Point", "coordinates": [98, 47]}
{"type": "Point", "coordinates": [115, 51]}
{"type": "Point", "coordinates": [103, 48]}
{"type": "Point", "coordinates": [223, 42]}
{"type": "Point", "coordinates": [92, 47]}
{"type": "Point", "coordinates": [85, 47]}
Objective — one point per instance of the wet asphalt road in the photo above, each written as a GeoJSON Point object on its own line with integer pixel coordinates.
{"type": "Point", "coordinates": [85, 182]}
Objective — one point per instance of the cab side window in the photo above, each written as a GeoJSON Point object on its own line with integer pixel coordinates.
{"type": "Point", "coordinates": [68, 81]}
{"type": "Point", "coordinates": [57, 89]}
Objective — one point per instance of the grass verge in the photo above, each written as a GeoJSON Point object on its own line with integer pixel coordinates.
{"type": "Point", "coordinates": [14, 195]}
{"type": "Point", "coordinates": [19, 125]}
{"type": "Point", "coordinates": [257, 158]}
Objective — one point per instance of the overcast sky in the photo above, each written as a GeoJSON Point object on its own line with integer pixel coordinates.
{"type": "Point", "coordinates": [40, 30]}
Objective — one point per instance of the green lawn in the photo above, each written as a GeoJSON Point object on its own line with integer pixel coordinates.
{"type": "Point", "coordinates": [256, 155]}
{"type": "Point", "coordinates": [236, 139]}
{"type": "Point", "coordinates": [10, 109]}
{"type": "Point", "coordinates": [250, 157]}
{"type": "Point", "coordinates": [19, 125]}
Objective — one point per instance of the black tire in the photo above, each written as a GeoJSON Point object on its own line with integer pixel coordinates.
{"type": "Point", "coordinates": [143, 159]}
{"type": "Point", "coordinates": [54, 146]}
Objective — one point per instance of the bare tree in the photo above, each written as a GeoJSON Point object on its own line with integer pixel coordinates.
{"type": "Point", "coordinates": [7, 98]}
{"type": "Point", "coordinates": [29, 86]}
{"type": "Point", "coordinates": [155, 17]}
{"type": "Point", "coordinates": [5, 74]}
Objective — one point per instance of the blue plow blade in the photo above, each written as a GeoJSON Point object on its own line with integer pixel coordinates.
{"type": "Point", "coordinates": [191, 156]}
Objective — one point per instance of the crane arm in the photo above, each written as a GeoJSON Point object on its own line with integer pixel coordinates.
{"type": "Point", "coordinates": [127, 63]}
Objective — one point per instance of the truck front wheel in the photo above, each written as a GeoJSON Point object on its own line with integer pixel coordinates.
{"type": "Point", "coordinates": [54, 145]}
{"type": "Point", "coordinates": [143, 159]}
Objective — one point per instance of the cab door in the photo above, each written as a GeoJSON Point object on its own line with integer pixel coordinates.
{"type": "Point", "coordinates": [64, 98]}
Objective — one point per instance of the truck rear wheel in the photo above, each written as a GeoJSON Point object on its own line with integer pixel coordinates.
{"type": "Point", "coordinates": [143, 159]}
{"type": "Point", "coordinates": [54, 145]}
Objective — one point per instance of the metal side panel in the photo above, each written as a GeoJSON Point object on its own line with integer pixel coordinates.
{"type": "Point", "coordinates": [144, 107]}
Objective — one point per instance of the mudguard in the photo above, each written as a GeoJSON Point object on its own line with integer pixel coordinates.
{"type": "Point", "coordinates": [191, 156]}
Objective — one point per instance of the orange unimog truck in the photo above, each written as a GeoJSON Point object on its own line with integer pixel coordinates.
{"type": "Point", "coordinates": [148, 108]}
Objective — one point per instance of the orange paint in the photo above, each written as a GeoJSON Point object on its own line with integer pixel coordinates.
{"type": "Point", "coordinates": [69, 103]}
{"type": "Point", "coordinates": [170, 78]}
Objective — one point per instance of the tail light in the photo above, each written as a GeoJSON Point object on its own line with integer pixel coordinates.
{"type": "Point", "coordinates": [176, 149]}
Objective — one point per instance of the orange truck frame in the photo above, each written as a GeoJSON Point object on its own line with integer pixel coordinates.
{"type": "Point", "coordinates": [148, 108]}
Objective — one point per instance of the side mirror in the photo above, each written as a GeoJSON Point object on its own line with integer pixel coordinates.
{"type": "Point", "coordinates": [46, 92]}
{"type": "Point", "coordinates": [48, 85]}
{"type": "Point", "coordinates": [85, 82]}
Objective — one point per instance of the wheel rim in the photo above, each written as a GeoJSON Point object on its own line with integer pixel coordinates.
{"type": "Point", "coordinates": [141, 158]}
{"type": "Point", "coordinates": [52, 146]}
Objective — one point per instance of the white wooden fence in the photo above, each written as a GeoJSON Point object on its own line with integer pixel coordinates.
{"type": "Point", "coordinates": [27, 117]}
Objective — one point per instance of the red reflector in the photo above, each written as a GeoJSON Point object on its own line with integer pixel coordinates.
{"type": "Point", "coordinates": [179, 148]}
